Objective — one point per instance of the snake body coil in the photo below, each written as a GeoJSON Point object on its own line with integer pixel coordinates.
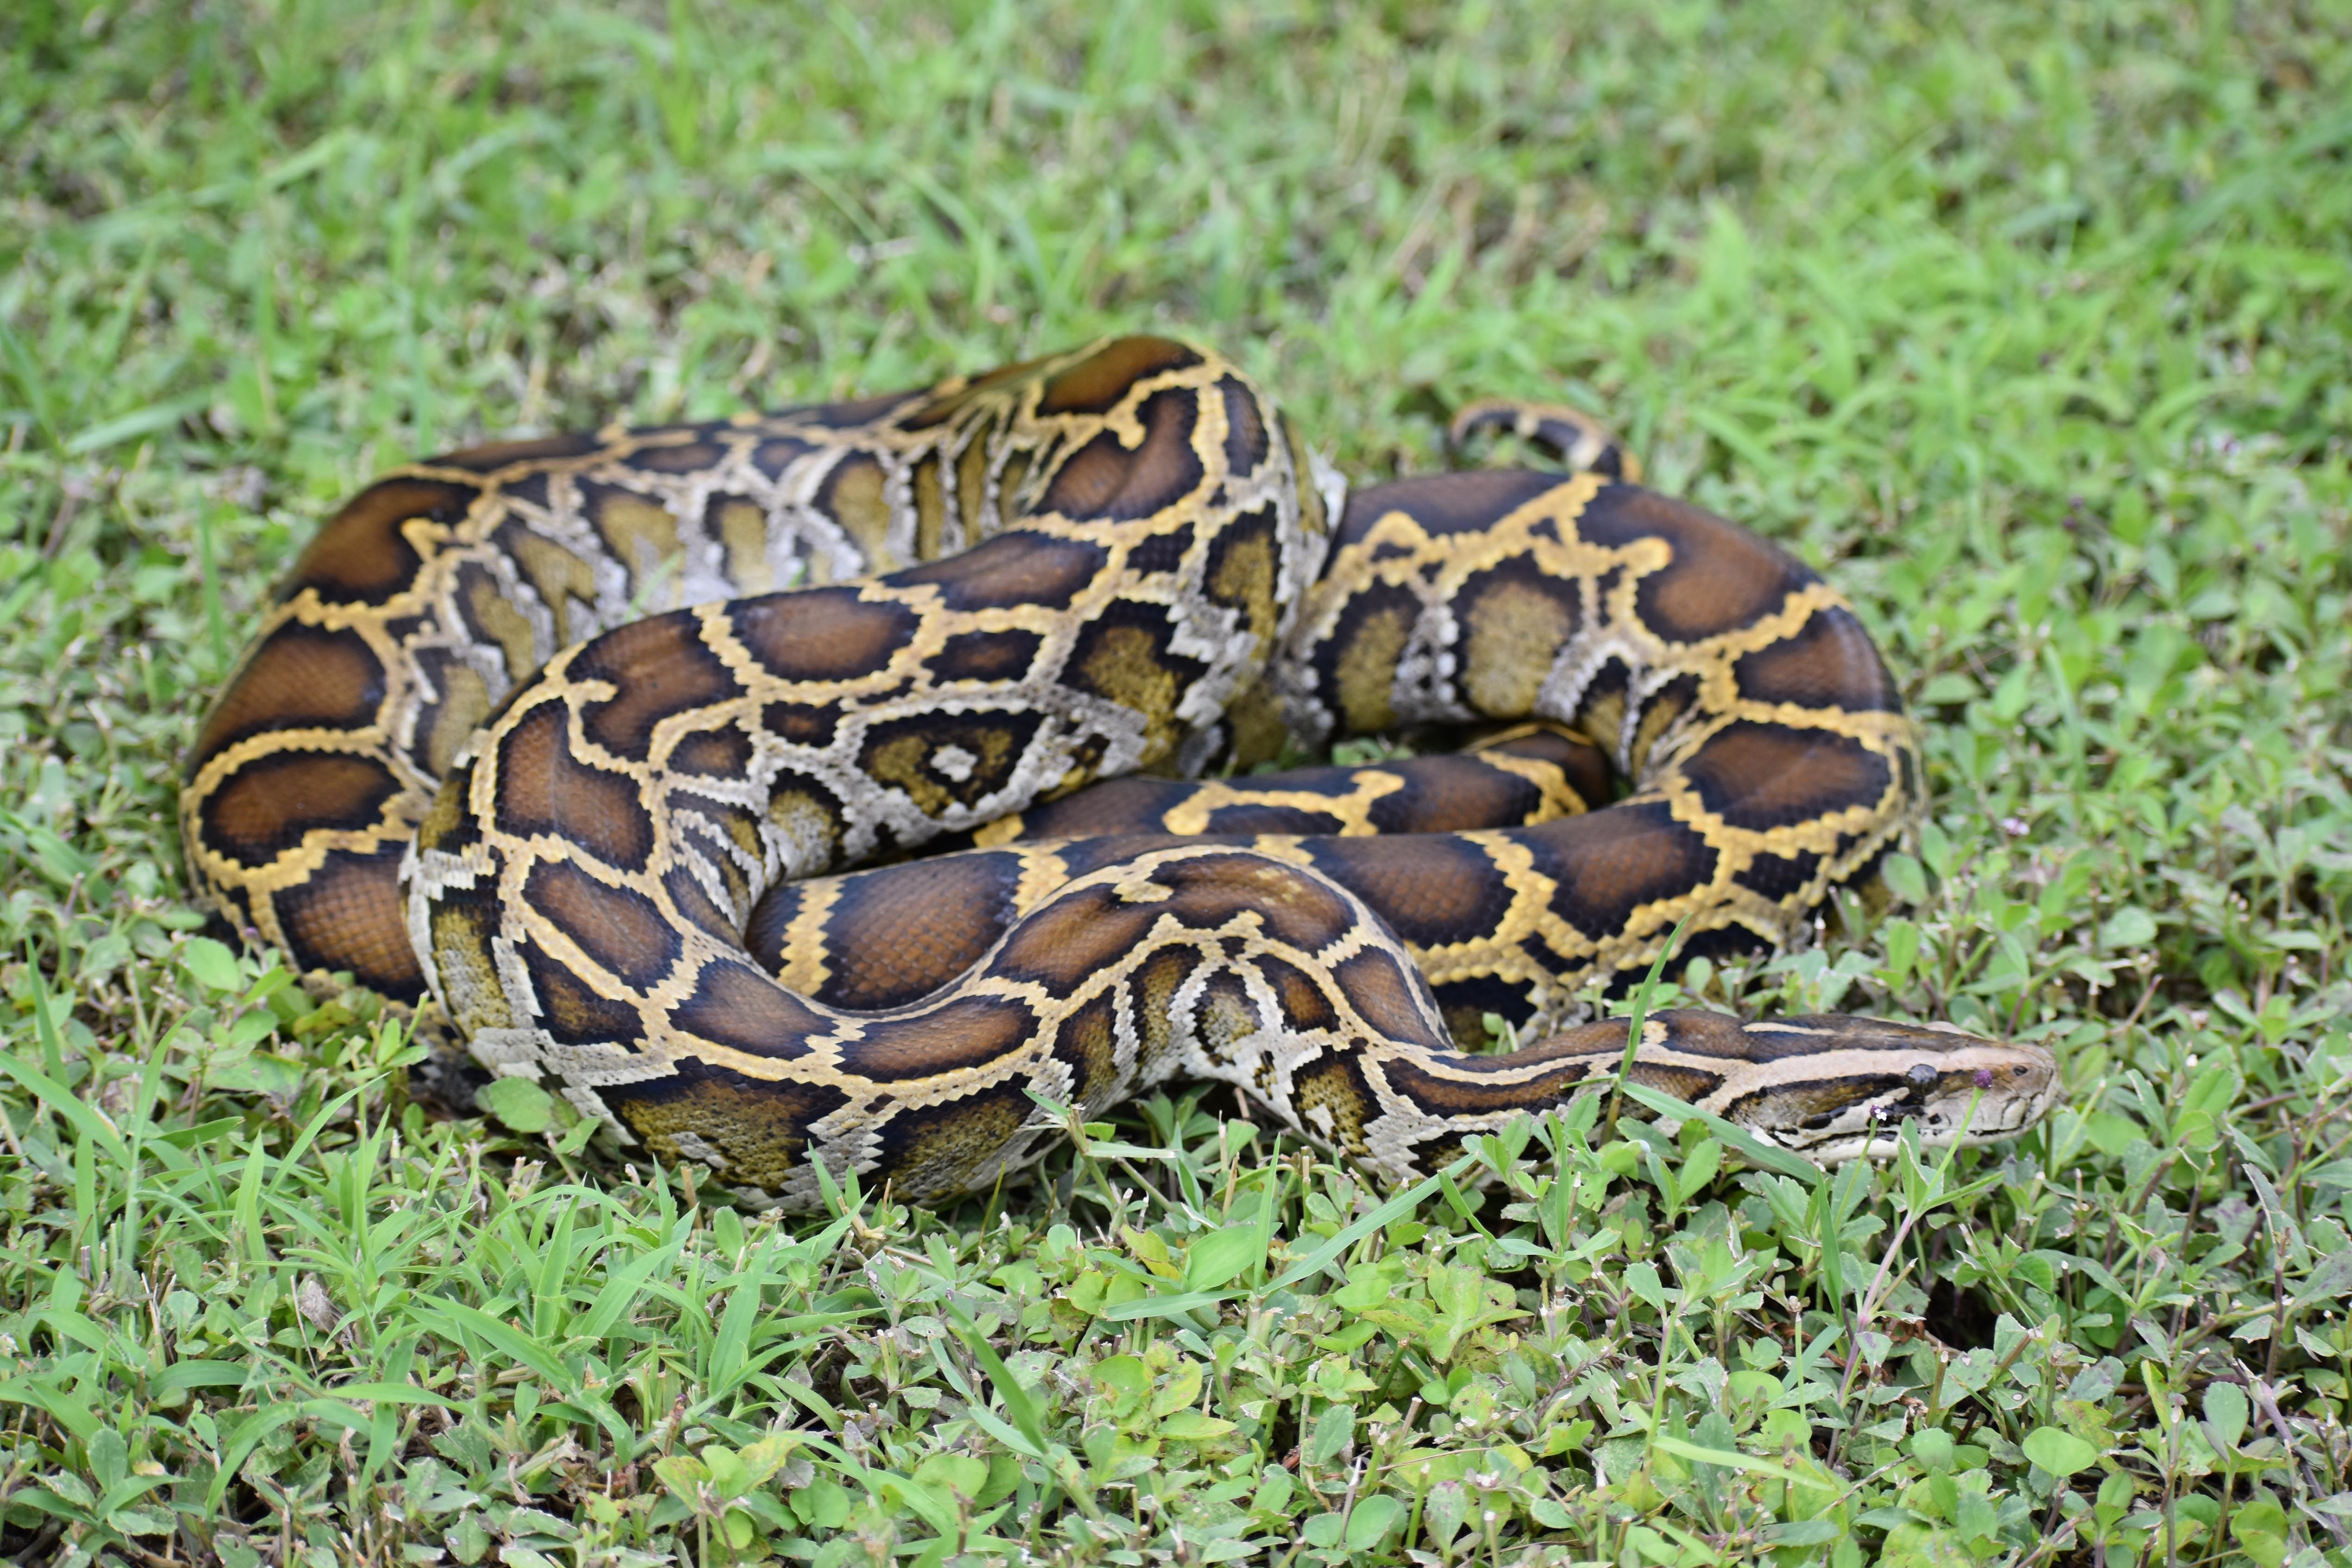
{"type": "Point", "coordinates": [1003, 589]}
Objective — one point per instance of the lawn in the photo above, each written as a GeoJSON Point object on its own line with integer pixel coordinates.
{"type": "Point", "coordinates": [2029, 323]}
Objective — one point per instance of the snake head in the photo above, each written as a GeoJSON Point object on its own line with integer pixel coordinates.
{"type": "Point", "coordinates": [1842, 1088]}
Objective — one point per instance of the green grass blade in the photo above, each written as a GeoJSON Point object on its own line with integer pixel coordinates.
{"type": "Point", "coordinates": [1754, 1150]}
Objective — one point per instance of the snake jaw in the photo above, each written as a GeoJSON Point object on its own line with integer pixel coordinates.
{"type": "Point", "coordinates": [1980, 1092]}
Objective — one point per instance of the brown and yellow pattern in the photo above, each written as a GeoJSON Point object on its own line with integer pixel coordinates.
{"type": "Point", "coordinates": [946, 613]}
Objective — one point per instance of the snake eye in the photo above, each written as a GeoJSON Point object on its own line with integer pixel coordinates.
{"type": "Point", "coordinates": [1921, 1076]}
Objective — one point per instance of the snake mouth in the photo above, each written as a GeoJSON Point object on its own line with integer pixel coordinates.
{"type": "Point", "coordinates": [1987, 1104]}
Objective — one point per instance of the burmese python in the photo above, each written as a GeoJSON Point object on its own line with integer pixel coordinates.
{"type": "Point", "coordinates": [463, 758]}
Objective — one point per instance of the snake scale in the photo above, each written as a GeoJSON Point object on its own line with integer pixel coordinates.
{"type": "Point", "coordinates": [658, 856]}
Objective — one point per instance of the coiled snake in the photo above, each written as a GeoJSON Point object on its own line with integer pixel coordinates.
{"type": "Point", "coordinates": [458, 762]}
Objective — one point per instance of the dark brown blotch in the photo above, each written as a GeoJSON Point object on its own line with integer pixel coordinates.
{"type": "Point", "coordinates": [1107, 481]}
{"type": "Point", "coordinates": [696, 430]}
{"type": "Point", "coordinates": [1781, 877]}
{"type": "Point", "coordinates": [768, 932]}
{"type": "Point", "coordinates": [1829, 662]}
{"type": "Point", "coordinates": [1109, 807]}
{"type": "Point", "coordinates": [1731, 942]}
{"type": "Point", "coordinates": [961, 1036]}
{"type": "Point", "coordinates": [1721, 576]}
{"type": "Point", "coordinates": [687, 457]}
{"type": "Point", "coordinates": [1081, 856]}
{"type": "Point", "coordinates": [267, 806]}
{"type": "Point", "coordinates": [1162, 551]}
{"type": "Point", "coordinates": [1332, 783]}
{"type": "Point", "coordinates": [1804, 1034]}
{"type": "Point", "coordinates": [778, 452]}
{"type": "Point", "coordinates": [981, 392]}
{"type": "Point", "coordinates": [1246, 439]}
{"type": "Point", "coordinates": [1607, 867]}
{"type": "Point", "coordinates": [1432, 888]}
{"type": "Point", "coordinates": [1584, 768]}
{"type": "Point", "coordinates": [363, 555]}
{"type": "Point", "coordinates": [618, 928]}
{"type": "Point", "coordinates": [1444, 1095]}
{"type": "Point", "coordinates": [1009, 569]}
{"type": "Point", "coordinates": [1305, 1008]}
{"type": "Point", "coordinates": [722, 753]}
{"type": "Point", "coordinates": [821, 634]}
{"type": "Point", "coordinates": [694, 905]}
{"type": "Point", "coordinates": [802, 724]}
{"type": "Point", "coordinates": [299, 677]}
{"type": "Point", "coordinates": [1098, 384]}
{"type": "Point", "coordinates": [1004, 374]}
{"type": "Point", "coordinates": [1294, 905]}
{"type": "Point", "coordinates": [986, 656]}
{"type": "Point", "coordinates": [1452, 795]}
{"type": "Point", "coordinates": [1088, 1043]}
{"type": "Point", "coordinates": [897, 934]}
{"type": "Point", "coordinates": [659, 667]}
{"type": "Point", "coordinates": [1465, 1001]}
{"type": "Point", "coordinates": [1459, 503]}
{"type": "Point", "coordinates": [1073, 936]}
{"type": "Point", "coordinates": [535, 488]}
{"type": "Point", "coordinates": [350, 914]}
{"type": "Point", "coordinates": [543, 788]}
{"type": "Point", "coordinates": [856, 411]}
{"type": "Point", "coordinates": [1693, 1031]}
{"type": "Point", "coordinates": [572, 1011]}
{"type": "Point", "coordinates": [1391, 996]}
{"type": "Point", "coordinates": [1682, 1082]}
{"type": "Point", "coordinates": [736, 1006]}
{"type": "Point", "coordinates": [1765, 776]}
{"type": "Point", "coordinates": [1245, 818]}
{"type": "Point", "coordinates": [1813, 1102]}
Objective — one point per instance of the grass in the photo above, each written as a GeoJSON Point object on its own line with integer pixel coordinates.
{"type": "Point", "coordinates": [2028, 321]}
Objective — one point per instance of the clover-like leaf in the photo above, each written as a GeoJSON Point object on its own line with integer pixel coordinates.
{"type": "Point", "coordinates": [2059, 1451]}
{"type": "Point", "coordinates": [519, 1103]}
